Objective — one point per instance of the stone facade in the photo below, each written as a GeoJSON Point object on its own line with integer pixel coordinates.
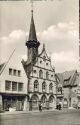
{"type": "Point", "coordinates": [41, 84]}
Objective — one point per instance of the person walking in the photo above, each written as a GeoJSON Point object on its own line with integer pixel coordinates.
{"type": "Point", "coordinates": [40, 107]}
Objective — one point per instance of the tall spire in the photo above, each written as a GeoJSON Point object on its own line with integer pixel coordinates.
{"type": "Point", "coordinates": [32, 32]}
{"type": "Point", "coordinates": [32, 43]}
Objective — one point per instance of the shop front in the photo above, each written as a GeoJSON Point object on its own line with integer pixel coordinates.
{"type": "Point", "coordinates": [13, 102]}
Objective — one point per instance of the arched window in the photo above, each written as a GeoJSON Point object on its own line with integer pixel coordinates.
{"type": "Point", "coordinates": [43, 86]}
{"type": "Point", "coordinates": [47, 75]}
{"type": "Point", "coordinates": [36, 85]}
{"type": "Point", "coordinates": [43, 100]}
{"type": "Point", "coordinates": [60, 88]}
{"type": "Point", "coordinates": [50, 87]}
{"type": "Point", "coordinates": [40, 74]}
{"type": "Point", "coordinates": [51, 98]}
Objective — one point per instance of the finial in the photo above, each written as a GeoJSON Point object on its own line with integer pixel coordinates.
{"type": "Point", "coordinates": [32, 7]}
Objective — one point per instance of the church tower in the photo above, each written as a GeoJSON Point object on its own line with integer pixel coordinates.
{"type": "Point", "coordinates": [41, 81]}
{"type": "Point", "coordinates": [32, 43]}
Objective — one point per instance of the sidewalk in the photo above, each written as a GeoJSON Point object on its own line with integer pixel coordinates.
{"type": "Point", "coordinates": [37, 111]}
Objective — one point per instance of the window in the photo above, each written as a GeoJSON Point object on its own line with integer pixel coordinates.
{"type": "Point", "coordinates": [14, 72]}
{"type": "Point", "coordinates": [19, 73]}
{"type": "Point", "coordinates": [40, 61]}
{"type": "Point", "coordinates": [47, 75]}
{"type": "Point", "coordinates": [7, 85]}
{"type": "Point", "coordinates": [10, 71]}
{"type": "Point", "coordinates": [34, 71]}
{"type": "Point", "coordinates": [47, 64]}
{"type": "Point", "coordinates": [43, 86]}
{"type": "Point", "coordinates": [51, 99]}
{"type": "Point", "coordinates": [14, 86]}
{"type": "Point", "coordinates": [40, 74]}
{"type": "Point", "coordinates": [44, 58]}
{"type": "Point", "coordinates": [50, 87]}
{"type": "Point", "coordinates": [20, 86]}
{"type": "Point", "coordinates": [51, 75]}
{"type": "Point", "coordinates": [36, 85]}
{"type": "Point", "coordinates": [43, 99]}
{"type": "Point", "coordinates": [60, 88]}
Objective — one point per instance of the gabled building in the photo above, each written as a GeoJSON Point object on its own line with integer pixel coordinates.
{"type": "Point", "coordinates": [41, 84]}
{"type": "Point", "coordinates": [70, 82]}
{"type": "Point", "coordinates": [13, 87]}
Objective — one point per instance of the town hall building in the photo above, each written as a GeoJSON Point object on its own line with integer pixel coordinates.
{"type": "Point", "coordinates": [41, 84]}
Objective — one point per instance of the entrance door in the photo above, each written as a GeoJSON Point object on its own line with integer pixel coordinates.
{"type": "Point", "coordinates": [34, 102]}
{"type": "Point", "coordinates": [44, 101]}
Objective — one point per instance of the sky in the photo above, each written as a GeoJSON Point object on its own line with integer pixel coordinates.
{"type": "Point", "coordinates": [57, 26]}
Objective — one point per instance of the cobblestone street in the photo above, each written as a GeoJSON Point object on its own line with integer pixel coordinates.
{"type": "Point", "coordinates": [67, 117]}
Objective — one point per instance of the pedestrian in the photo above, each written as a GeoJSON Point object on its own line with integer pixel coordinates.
{"type": "Point", "coordinates": [40, 107]}
{"type": "Point", "coordinates": [59, 106]}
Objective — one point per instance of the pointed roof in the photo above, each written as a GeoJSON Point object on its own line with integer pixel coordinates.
{"type": "Point", "coordinates": [2, 66]}
{"type": "Point", "coordinates": [32, 32]}
{"type": "Point", "coordinates": [67, 76]}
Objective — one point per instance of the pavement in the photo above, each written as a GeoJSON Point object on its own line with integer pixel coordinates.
{"type": "Point", "coordinates": [46, 117]}
{"type": "Point", "coordinates": [65, 110]}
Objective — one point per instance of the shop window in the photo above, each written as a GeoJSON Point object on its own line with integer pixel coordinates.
{"type": "Point", "coordinates": [19, 73]}
{"type": "Point", "coordinates": [14, 86]}
{"type": "Point", "coordinates": [8, 85]}
{"type": "Point", "coordinates": [10, 71]}
{"type": "Point", "coordinates": [20, 86]}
